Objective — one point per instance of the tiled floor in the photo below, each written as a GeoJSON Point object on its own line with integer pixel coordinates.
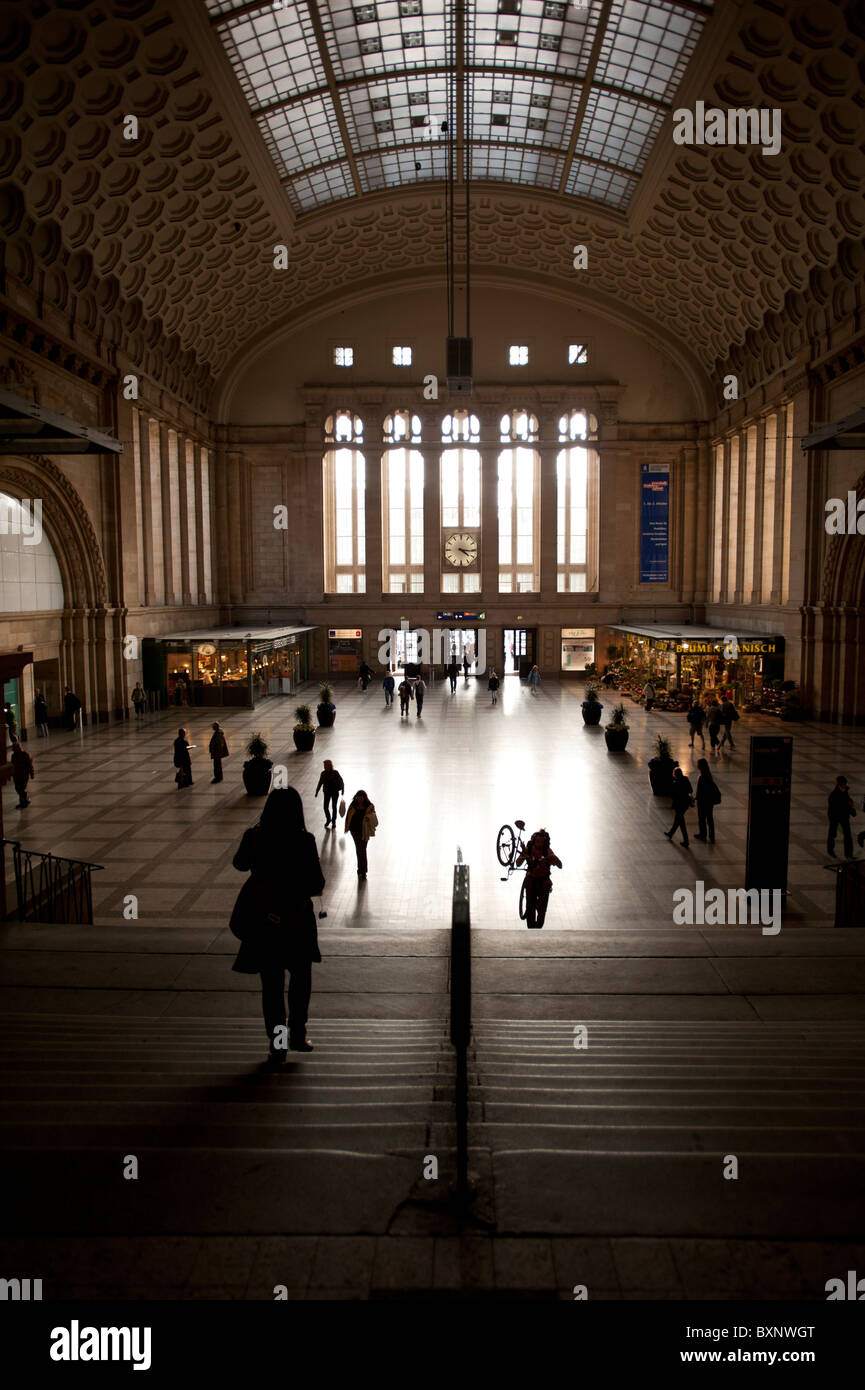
{"type": "Point", "coordinates": [447, 780]}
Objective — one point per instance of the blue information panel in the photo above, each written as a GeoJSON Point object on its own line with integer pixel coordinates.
{"type": "Point", "coordinates": [654, 523]}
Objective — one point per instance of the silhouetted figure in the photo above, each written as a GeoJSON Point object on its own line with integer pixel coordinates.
{"type": "Point", "coordinates": [389, 685]}
{"type": "Point", "coordinates": [650, 694]}
{"type": "Point", "coordinates": [841, 808]}
{"type": "Point", "coordinates": [360, 823]}
{"type": "Point", "coordinates": [419, 694]}
{"type": "Point", "coordinates": [405, 694]}
{"type": "Point", "coordinates": [364, 674]}
{"type": "Point", "coordinates": [275, 920]}
{"type": "Point", "coordinates": [218, 749]}
{"type": "Point", "coordinates": [41, 713]}
{"type": "Point", "coordinates": [71, 709]}
{"type": "Point", "coordinates": [333, 784]}
{"type": "Point", "coordinates": [11, 722]}
{"type": "Point", "coordinates": [682, 793]}
{"type": "Point", "coordinates": [182, 761]}
{"type": "Point", "coordinates": [453, 671]}
{"type": "Point", "coordinates": [534, 680]}
{"type": "Point", "coordinates": [713, 722]}
{"type": "Point", "coordinates": [493, 687]}
{"type": "Point", "coordinates": [139, 700]}
{"type": "Point", "coordinates": [22, 772]}
{"type": "Point", "coordinates": [539, 859]}
{"type": "Point", "coordinates": [696, 719]}
{"type": "Point", "coordinates": [708, 797]}
{"type": "Point", "coordinates": [466, 665]}
{"type": "Point", "coordinates": [729, 715]}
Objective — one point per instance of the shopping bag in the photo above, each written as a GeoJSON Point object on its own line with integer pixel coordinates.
{"type": "Point", "coordinates": [342, 807]}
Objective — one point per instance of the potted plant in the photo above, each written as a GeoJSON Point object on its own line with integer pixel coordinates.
{"type": "Point", "coordinates": [661, 768]}
{"type": "Point", "coordinates": [304, 729]}
{"type": "Point", "coordinates": [616, 732]}
{"type": "Point", "coordinates": [325, 711]}
{"type": "Point", "coordinates": [591, 705]}
{"type": "Point", "coordinates": [256, 771]}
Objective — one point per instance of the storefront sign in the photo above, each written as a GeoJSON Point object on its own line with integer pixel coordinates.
{"type": "Point", "coordinates": [747, 646]}
{"type": "Point", "coordinates": [341, 633]}
{"type": "Point", "coordinates": [460, 617]}
{"type": "Point", "coordinates": [654, 523]}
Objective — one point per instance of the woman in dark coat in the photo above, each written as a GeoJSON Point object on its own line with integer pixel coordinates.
{"type": "Point", "coordinates": [708, 797]}
{"type": "Point", "coordinates": [182, 760]}
{"type": "Point", "coordinates": [682, 792]}
{"type": "Point", "coordinates": [274, 917]}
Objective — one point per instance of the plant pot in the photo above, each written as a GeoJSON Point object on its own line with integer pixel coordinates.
{"type": "Point", "coordinates": [304, 740]}
{"type": "Point", "coordinates": [256, 776]}
{"type": "Point", "coordinates": [325, 714]}
{"type": "Point", "coordinates": [617, 739]}
{"type": "Point", "coordinates": [592, 711]}
{"type": "Point", "coordinates": [661, 776]}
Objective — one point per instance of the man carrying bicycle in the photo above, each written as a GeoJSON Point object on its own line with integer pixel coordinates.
{"type": "Point", "coordinates": [539, 859]}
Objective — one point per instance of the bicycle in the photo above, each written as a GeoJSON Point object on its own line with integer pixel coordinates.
{"type": "Point", "coordinates": [509, 847]}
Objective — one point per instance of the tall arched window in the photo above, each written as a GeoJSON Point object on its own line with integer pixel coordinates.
{"type": "Point", "coordinates": [344, 503]}
{"type": "Point", "coordinates": [30, 578]}
{"type": "Point", "coordinates": [402, 471]}
{"type": "Point", "coordinates": [461, 504]}
{"type": "Point", "coordinates": [519, 505]}
{"type": "Point", "coordinates": [577, 504]}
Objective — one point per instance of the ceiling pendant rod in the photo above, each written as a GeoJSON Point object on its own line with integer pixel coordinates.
{"type": "Point", "coordinates": [466, 157]}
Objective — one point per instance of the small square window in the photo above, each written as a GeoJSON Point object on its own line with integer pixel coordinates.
{"type": "Point", "coordinates": [554, 11]}
{"type": "Point", "coordinates": [402, 357]}
{"type": "Point", "coordinates": [499, 120]}
{"type": "Point", "coordinates": [541, 100]}
{"type": "Point", "coordinates": [410, 7]}
{"type": "Point", "coordinates": [418, 122]}
{"type": "Point", "coordinates": [343, 357]}
{"type": "Point", "coordinates": [578, 354]}
{"type": "Point", "coordinates": [507, 36]}
{"type": "Point", "coordinates": [537, 123]}
{"type": "Point", "coordinates": [501, 96]}
{"type": "Point", "coordinates": [364, 14]}
{"type": "Point", "coordinates": [382, 127]}
{"type": "Point", "coordinates": [509, 6]}
{"type": "Point", "coordinates": [418, 98]}
{"type": "Point", "coordinates": [518, 355]}
{"type": "Point", "coordinates": [380, 103]}
{"type": "Point", "coordinates": [414, 39]}
{"type": "Point", "coordinates": [370, 45]}
{"type": "Point", "coordinates": [550, 42]}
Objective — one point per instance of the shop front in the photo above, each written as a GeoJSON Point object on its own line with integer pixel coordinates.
{"type": "Point", "coordinates": [578, 649]}
{"type": "Point", "coordinates": [344, 650]}
{"type": "Point", "coordinates": [226, 667]}
{"type": "Point", "coordinates": [703, 662]}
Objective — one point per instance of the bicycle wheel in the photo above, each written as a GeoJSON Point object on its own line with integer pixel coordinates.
{"type": "Point", "coordinates": [505, 845]}
{"type": "Point", "coordinates": [523, 905]}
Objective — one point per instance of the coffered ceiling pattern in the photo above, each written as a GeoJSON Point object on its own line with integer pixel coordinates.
{"type": "Point", "coordinates": [164, 245]}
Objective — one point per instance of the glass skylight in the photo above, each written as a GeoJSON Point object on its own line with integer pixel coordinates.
{"type": "Point", "coordinates": [355, 101]}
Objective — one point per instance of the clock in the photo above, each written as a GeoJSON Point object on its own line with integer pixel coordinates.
{"type": "Point", "coordinates": [461, 549]}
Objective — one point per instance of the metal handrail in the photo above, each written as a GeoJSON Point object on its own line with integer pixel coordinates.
{"type": "Point", "coordinates": [50, 887]}
{"type": "Point", "coordinates": [461, 1017]}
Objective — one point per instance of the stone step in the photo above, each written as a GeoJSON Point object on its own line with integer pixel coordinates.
{"type": "Point", "coordinates": [67, 1064]}
{"type": "Point", "coordinates": [643, 1113]}
{"type": "Point", "coordinates": [238, 1115]}
{"type": "Point", "coordinates": [356, 1136]}
{"type": "Point", "coordinates": [676, 1135]}
{"type": "Point", "coordinates": [292, 1089]}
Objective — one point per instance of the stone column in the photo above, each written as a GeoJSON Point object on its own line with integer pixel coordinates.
{"type": "Point", "coordinates": [489, 417]}
{"type": "Point", "coordinates": [548, 539]}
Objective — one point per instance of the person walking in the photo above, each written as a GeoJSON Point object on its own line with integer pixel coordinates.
{"type": "Point", "coordinates": [841, 808]}
{"type": "Point", "coordinates": [360, 823]}
{"type": "Point", "coordinates": [182, 760]}
{"type": "Point", "coordinates": [364, 674]}
{"type": "Point", "coordinates": [539, 859]}
{"type": "Point", "coordinates": [71, 709]}
{"type": "Point", "coordinates": [493, 687]}
{"type": "Point", "coordinates": [729, 714]}
{"type": "Point", "coordinates": [534, 680]}
{"type": "Point", "coordinates": [708, 797]}
{"type": "Point", "coordinates": [23, 772]}
{"type": "Point", "coordinates": [697, 718]}
{"type": "Point", "coordinates": [11, 722]}
{"type": "Point", "coordinates": [453, 671]}
{"type": "Point", "coordinates": [713, 722]}
{"type": "Point", "coordinates": [139, 700]}
{"type": "Point", "coordinates": [650, 694]}
{"type": "Point", "coordinates": [682, 800]}
{"type": "Point", "coordinates": [332, 784]}
{"type": "Point", "coordinates": [388, 683]}
{"type": "Point", "coordinates": [275, 920]}
{"type": "Point", "coordinates": [466, 665]}
{"type": "Point", "coordinates": [218, 749]}
{"type": "Point", "coordinates": [41, 711]}
{"type": "Point", "coordinates": [419, 694]}
{"type": "Point", "coordinates": [405, 694]}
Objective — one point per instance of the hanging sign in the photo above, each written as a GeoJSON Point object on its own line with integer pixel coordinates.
{"type": "Point", "coordinates": [654, 523]}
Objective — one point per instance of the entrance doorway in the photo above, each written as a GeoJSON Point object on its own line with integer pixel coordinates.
{"type": "Point", "coordinates": [458, 642]}
{"type": "Point", "coordinates": [519, 650]}
{"type": "Point", "coordinates": [409, 651]}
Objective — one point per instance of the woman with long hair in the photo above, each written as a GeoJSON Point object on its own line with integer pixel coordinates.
{"type": "Point", "coordinates": [360, 823]}
{"type": "Point", "coordinates": [275, 920]}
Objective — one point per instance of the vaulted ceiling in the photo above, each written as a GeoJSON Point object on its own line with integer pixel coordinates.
{"type": "Point", "coordinates": [163, 245]}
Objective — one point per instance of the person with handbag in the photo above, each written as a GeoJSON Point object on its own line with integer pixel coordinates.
{"type": "Point", "coordinates": [683, 800]}
{"type": "Point", "coordinates": [182, 760]}
{"type": "Point", "coordinates": [218, 749]}
{"type": "Point", "coordinates": [729, 715]}
{"type": "Point", "coordinates": [274, 918]}
{"type": "Point", "coordinates": [419, 694]}
{"type": "Point", "coordinates": [360, 823]}
{"type": "Point", "coordinates": [333, 784]}
{"type": "Point", "coordinates": [405, 694]}
{"type": "Point", "coordinates": [708, 797]}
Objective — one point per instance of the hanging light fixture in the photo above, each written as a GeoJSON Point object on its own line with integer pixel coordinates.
{"type": "Point", "coordinates": [456, 129]}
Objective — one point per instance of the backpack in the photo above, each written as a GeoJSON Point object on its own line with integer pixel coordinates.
{"type": "Point", "coordinates": [716, 794]}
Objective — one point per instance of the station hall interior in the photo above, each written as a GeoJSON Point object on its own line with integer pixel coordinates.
{"type": "Point", "coordinates": [513, 346]}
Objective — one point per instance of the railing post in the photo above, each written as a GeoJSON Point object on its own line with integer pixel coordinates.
{"type": "Point", "coordinates": [461, 1007]}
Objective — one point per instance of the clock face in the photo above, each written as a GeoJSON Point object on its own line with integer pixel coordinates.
{"type": "Point", "coordinates": [461, 549]}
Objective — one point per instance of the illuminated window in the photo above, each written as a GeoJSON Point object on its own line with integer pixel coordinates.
{"type": "Point", "coordinates": [733, 514]}
{"type": "Point", "coordinates": [344, 503]}
{"type": "Point", "coordinates": [770, 444]}
{"type": "Point", "coordinates": [718, 525]}
{"type": "Point", "coordinates": [460, 490]}
{"type": "Point", "coordinates": [402, 475]}
{"type": "Point", "coordinates": [750, 507]}
{"type": "Point", "coordinates": [519, 506]}
{"type": "Point", "coordinates": [578, 354]}
{"type": "Point", "coordinates": [577, 505]}
{"type": "Point", "coordinates": [402, 357]}
{"type": "Point", "coordinates": [343, 356]}
{"type": "Point", "coordinates": [518, 355]}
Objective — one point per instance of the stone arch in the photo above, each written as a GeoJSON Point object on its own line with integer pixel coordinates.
{"type": "Point", "coordinates": [66, 524]}
{"type": "Point", "coordinates": [840, 628]}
